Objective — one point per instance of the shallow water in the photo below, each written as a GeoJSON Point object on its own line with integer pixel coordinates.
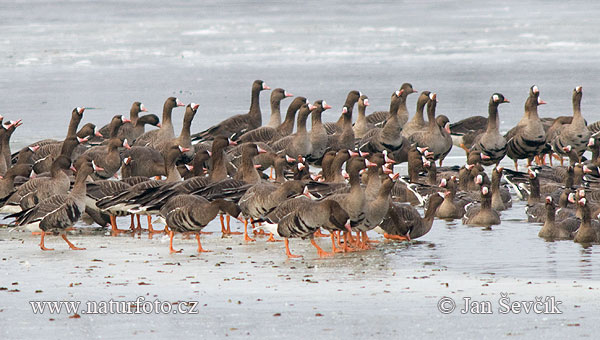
{"type": "Point", "coordinates": [104, 55]}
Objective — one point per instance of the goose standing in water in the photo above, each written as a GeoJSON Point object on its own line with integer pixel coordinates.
{"type": "Point", "coordinates": [491, 143]}
{"type": "Point", "coordinates": [483, 215]}
{"type": "Point", "coordinates": [528, 138]}
{"type": "Point", "coordinates": [575, 134]}
{"type": "Point", "coordinates": [432, 137]}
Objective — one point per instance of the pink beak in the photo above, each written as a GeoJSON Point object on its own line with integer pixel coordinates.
{"type": "Point", "coordinates": [125, 120]}
{"type": "Point", "coordinates": [159, 125]}
{"type": "Point", "coordinates": [98, 134]}
{"type": "Point", "coordinates": [96, 168]}
{"type": "Point", "coordinates": [143, 108]}
{"type": "Point", "coordinates": [261, 150]}
{"type": "Point", "coordinates": [126, 145]}
{"type": "Point", "coordinates": [232, 142]}
{"type": "Point", "coordinates": [179, 102]}
{"type": "Point", "coordinates": [34, 148]}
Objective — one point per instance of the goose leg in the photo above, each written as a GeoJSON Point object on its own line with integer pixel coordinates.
{"type": "Point", "coordinates": [334, 249]}
{"type": "Point", "coordinates": [223, 230]}
{"type": "Point", "coordinates": [150, 228]}
{"type": "Point", "coordinates": [171, 250]}
{"type": "Point", "coordinates": [200, 250]}
{"type": "Point", "coordinates": [271, 239]}
{"type": "Point", "coordinates": [320, 251]}
{"type": "Point", "coordinates": [139, 224]}
{"type": "Point", "coordinates": [71, 245]}
{"type": "Point", "coordinates": [42, 242]}
{"type": "Point", "coordinates": [132, 225]}
{"type": "Point", "coordinates": [113, 222]}
{"type": "Point", "coordinates": [347, 241]}
{"type": "Point", "coordinates": [318, 233]}
{"type": "Point", "coordinates": [246, 237]}
{"type": "Point", "coordinates": [287, 250]}
{"type": "Point", "coordinates": [396, 237]}
{"type": "Point", "coordinates": [229, 228]}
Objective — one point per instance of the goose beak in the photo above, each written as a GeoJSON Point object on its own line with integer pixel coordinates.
{"type": "Point", "coordinates": [344, 110]}
{"type": "Point", "coordinates": [265, 86]}
{"type": "Point", "coordinates": [159, 125]}
{"type": "Point", "coordinates": [232, 142]}
{"type": "Point", "coordinates": [363, 154]}
{"type": "Point", "coordinates": [289, 159]}
{"type": "Point", "coordinates": [326, 107]}
{"type": "Point", "coordinates": [287, 94]}
{"type": "Point", "coordinates": [587, 170]}
{"type": "Point", "coordinates": [387, 170]}
{"type": "Point", "coordinates": [97, 133]}
{"type": "Point", "coordinates": [548, 199]}
{"type": "Point", "coordinates": [182, 149]}
{"type": "Point", "coordinates": [443, 183]}
{"type": "Point", "coordinates": [179, 102]}
{"type": "Point", "coordinates": [257, 166]}
{"type": "Point", "coordinates": [301, 166]}
{"type": "Point", "coordinates": [370, 164]}
{"type": "Point", "coordinates": [541, 102]}
{"type": "Point", "coordinates": [484, 156]}
{"type": "Point", "coordinates": [189, 167]}
{"type": "Point", "coordinates": [195, 106]}
{"type": "Point", "coordinates": [125, 120]}
{"type": "Point", "coordinates": [80, 110]}
{"type": "Point", "coordinates": [143, 108]}
{"type": "Point", "coordinates": [82, 140]}
{"type": "Point", "coordinates": [352, 153]}
{"type": "Point", "coordinates": [95, 167]}
{"type": "Point", "coordinates": [34, 148]}
{"type": "Point", "coordinates": [506, 100]}
{"type": "Point", "coordinates": [387, 159]}
{"type": "Point", "coordinates": [567, 148]}
{"type": "Point", "coordinates": [126, 145]}
{"type": "Point", "coordinates": [261, 150]}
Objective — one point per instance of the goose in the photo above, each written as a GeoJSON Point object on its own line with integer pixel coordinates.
{"type": "Point", "coordinates": [403, 222]}
{"type": "Point", "coordinates": [166, 132]}
{"type": "Point", "coordinates": [305, 219]}
{"type": "Point", "coordinates": [482, 215]}
{"type": "Point", "coordinates": [576, 134]}
{"type": "Point", "coordinates": [528, 138]}
{"type": "Point", "coordinates": [553, 231]}
{"type": "Point", "coordinates": [183, 139]}
{"type": "Point", "coordinates": [277, 96]}
{"type": "Point", "coordinates": [344, 138]}
{"type": "Point", "coordinates": [190, 214]}
{"type": "Point", "coordinates": [376, 209]}
{"type": "Point", "coordinates": [490, 143]}
{"type": "Point", "coordinates": [58, 212]}
{"type": "Point", "coordinates": [269, 134]}
{"type": "Point", "coordinates": [318, 134]}
{"type": "Point", "coordinates": [389, 137]}
{"type": "Point", "coordinates": [361, 126]}
{"type": "Point", "coordinates": [134, 112]}
{"type": "Point", "coordinates": [501, 199]}
{"type": "Point", "coordinates": [263, 197]}
{"type": "Point", "coordinates": [417, 123]}
{"type": "Point", "coordinates": [452, 207]}
{"type": "Point", "coordinates": [5, 133]}
{"type": "Point", "coordinates": [436, 142]}
{"type": "Point", "coordinates": [338, 127]}
{"type": "Point", "coordinates": [238, 124]}
{"type": "Point", "coordinates": [379, 118]}
{"type": "Point", "coordinates": [587, 232]}
{"type": "Point", "coordinates": [299, 142]}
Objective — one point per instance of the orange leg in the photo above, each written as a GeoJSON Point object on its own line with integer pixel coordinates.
{"type": "Point", "coordinates": [338, 236]}
{"type": "Point", "coordinates": [320, 251]}
{"type": "Point", "coordinates": [246, 237]}
{"type": "Point", "coordinates": [271, 174]}
{"type": "Point", "coordinates": [366, 237]}
{"type": "Point", "coordinates": [150, 228]}
{"type": "Point", "coordinates": [529, 162]}
{"type": "Point", "coordinates": [200, 250]}
{"type": "Point", "coordinates": [318, 233]}
{"type": "Point", "coordinates": [334, 249]}
{"type": "Point", "coordinates": [139, 224]}
{"type": "Point", "coordinates": [71, 245]}
{"type": "Point", "coordinates": [113, 222]}
{"type": "Point", "coordinates": [271, 239]}
{"type": "Point", "coordinates": [287, 250]}
{"type": "Point", "coordinates": [42, 242]}
{"type": "Point", "coordinates": [229, 232]}
{"type": "Point", "coordinates": [36, 233]}
{"type": "Point", "coordinates": [396, 237]}
{"type": "Point", "coordinates": [171, 250]}
{"type": "Point", "coordinates": [223, 230]}
{"type": "Point", "coordinates": [132, 225]}
{"type": "Point", "coordinates": [441, 160]}
{"type": "Point", "coordinates": [347, 236]}
{"type": "Point", "coordinates": [462, 146]}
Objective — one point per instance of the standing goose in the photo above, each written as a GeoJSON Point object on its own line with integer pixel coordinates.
{"type": "Point", "coordinates": [491, 143]}
{"type": "Point", "coordinates": [528, 138]}
{"type": "Point", "coordinates": [263, 197]}
{"type": "Point", "coordinates": [58, 212]}
{"type": "Point", "coordinates": [277, 96]}
{"type": "Point", "coordinates": [184, 137]}
{"type": "Point", "coordinates": [403, 222]}
{"type": "Point", "coordinates": [238, 124]}
{"type": "Point", "coordinates": [436, 142]}
{"type": "Point", "coordinates": [190, 214]}
{"type": "Point", "coordinates": [376, 209]}
{"type": "Point", "coordinates": [299, 142]}
{"type": "Point", "coordinates": [389, 137]}
{"type": "Point", "coordinates": [318, 134]}
{"type": "Point", "coordinates": [306, 219]}
{"type": "Point", "coordinates": [247, 172]}
{"type": "Point", "coordinates": [417, 123]}
{"type": "Point", "coordinates": [6, 132]}
{"type": "Point", "coordinates": [378, 118]}
{"type": "Point", "coordinates": [361, 126]}
{"type": "Point", "coordinates": [268, 134]}
{"type": "Point", "coordinates": [343, 139]}
{"type": "Point", "coordinates": [124, 130]}
{"type": "Point", "coordinates": [338, 126]}
{"type": "Point", "coordinates": [166, 132]}
{"type": "Point", "coordinates": [575, 134]}
{"type": "Point", "coordinates": [483, 215]}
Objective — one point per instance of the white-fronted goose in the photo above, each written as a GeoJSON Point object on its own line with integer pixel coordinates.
{"type": "Point", "coordinates": [361, 126]}
{"type": "Point", "coordinates": [403, 222]}
{"type": "Point", "coordinates": [263, 197]}
{"type": "Point", "coordinates": [238, 124]}
{"type": "Point", "coordinates": [268, 134]}
{"type": "Point", "coordinates": [134, 112]}
{"type": "Point", "coordinates": [575, 134]}
{"type": "Point", "coordinates": [247, 172]}
{"type": "Point", "coordinates": [482, 215]}
{"type": "Point", "coordinates": [417, 123]}
{"type": "Point", "coordinates": [376, 209]}
{"type": "Point", "coordinates": [58, 212]}
{"type": "Point", "coordinates": [389, 137]}
{"type": "Point", "coordinates": [587, 233]}
{"type": "Point", "coordinates": [190, 214]}
{"type": "Point", "coordinates": [551, 230]}
{"type": "Point", "coordinates": [501, 198]}
{"type": "Point", "coordinates": [528, 138]}
{"type": "Point", "coordinates": [343, 139]}
{"type": "Point", "coordinates": [491, 143]}
{"type": "Point", "coordinates": [436, 142]}
{"type": "Point", "coordinates": [306, 219]}
{"type": "Point", "coordinates": [184, 138]}
{"type": "Point", "coordinates": [452, 207]}
{"type": "Point", "coordinates": [337, 127]}
{"type": "Point", "coordinates": [318, 134]}
{"type": "Point", "coordinates": [166, 132]}
{"type": "Point", "coordinates": [379, 118]}
{"type": "Point", "coordinates": [299, 142]}
{"type": "Point", "coordinates": [277, 96]}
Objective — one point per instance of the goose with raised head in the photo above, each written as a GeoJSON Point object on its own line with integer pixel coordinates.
{"type": "Point", "coordinates": [318, 134]}
{"type": "Point", "coordinates": [389, 137]}
{"type": "Point", "coordinates": [338, 126]}
{"type": "Point", "coordinates": [238, 124]}
{"type": "Point", "coordinates": [166, 131]}
{"type": "Point", "coordinates": [361, 126]}
{"type": "Point", "coordinates": [379, 118]}
{"type": "Point", "coordinates": [565, 230]}
{"type": "Point", "coordinates": [528, 138]}
{"type": "Point", "coordinates": [575, 134]}
{"type": "Point", "coordinates": [268, 134]}
{"type": "Point", "coordinates": [299, 142]}
{"type": "Point", "coordinates": [491, 144]}
{"type": "Point", "coordinates": [482, 215]}
{"type": "Point", "coordinates": [438, 143]}
{"type": "Point", "coordinates": [417, 123]}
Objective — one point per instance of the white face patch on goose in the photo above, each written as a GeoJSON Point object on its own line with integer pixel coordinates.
{"type": "Point", "coordinates": [142, 108]}
{"type": "Point", "coordinates": [535, 89]}
{"type": "Point", "coordinates": [324, 103]}
{"type": "Point", "coordinates": [307, 102]}
{"type": "Point", "coordinates": [194, 105]}
{"type": "Point", "coordinates": [359, 93]}
{"type": "Point", "coordinates": [80, 110]}
{"type": "Point", "coordinates": [540, 101]}
{"type": "Point", "coordinates": [366, 102]}
{"type": "Point", "coordinates": [397, 93]}
{"type": "Point", "coordinates": [578, 89]}
{"type": "Point", "coordinates": [432, 96]}
{"type": "Point", "coordinates": [496, 98]}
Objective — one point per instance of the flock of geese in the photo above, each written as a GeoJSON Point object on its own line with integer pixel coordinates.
{"type": "Point", "coordinates": [100, 174]}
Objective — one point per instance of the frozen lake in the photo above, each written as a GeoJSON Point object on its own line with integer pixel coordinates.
{"type": "Point", "coordinates": [104, 55]}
